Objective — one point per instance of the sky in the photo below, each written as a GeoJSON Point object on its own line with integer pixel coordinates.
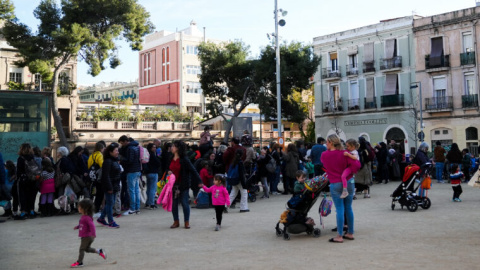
{"type": "Point", "coordinates": [251, 20]}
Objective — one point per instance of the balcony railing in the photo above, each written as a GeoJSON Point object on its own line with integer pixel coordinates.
{"type": "Point", "coordinates": [392, 101]}
{"type": "Point", "coordinates": [391, 63]}
{"type": "Point", "coordinates": [467, 58]}
{"type": "Point", "coordinates": [333, 107]}
{"type": "Point", "coordinates": [470, 101]}
{"type": "Point", "coordinates": [352, 70]}
{"type": "Point", "coordinates": [370, 103]}
{"type": "Point", "coordinates": [368, 67]}
{"type": "Point", "coordinates": [437, 62]}
{"type": "Point", "coordinates": [439, 103]}
{"type": "Point", "coordinates": [353, 104]}
{"type": "Point", "coordinates": [328, 73]}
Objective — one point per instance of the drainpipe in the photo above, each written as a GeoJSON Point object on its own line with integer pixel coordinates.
{"type": "Point", "coordinates": [476, 59]}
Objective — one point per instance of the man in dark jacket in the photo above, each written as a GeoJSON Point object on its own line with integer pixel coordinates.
{"type": "Point", "coordinates": [229, 154]}
{"type": "Point", "coordinates": [133, 168]}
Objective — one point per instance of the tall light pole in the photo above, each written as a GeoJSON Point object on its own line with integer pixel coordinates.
{"type": "Point", "coordinates": [277, 58]}
{"type": "Point", "coordinates": [418, 85]}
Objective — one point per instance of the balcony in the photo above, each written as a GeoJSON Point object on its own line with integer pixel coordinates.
{"type": "Point", "coordinates": [370, 103]}
{"type": "Point", "coordinates": [329, 73]}
{"type": "Point", "coordinates": [336, 106]}
{"type": "Point", "coordinates": [392, 101]}
{"type": "Point", "coordinates": [390, 64]}
{"type": "Point", "coordinates": [352, 70]}
{"type": "Point", "coordinates": [439, 103]}
{"type": "Point", "coordinates": [368, 67]}
{"type": "Point", "coordinates": [437, 63]}
{"type": "Point", "coordinates": [467, 58]}
{"type": "Point", "coordinates": [469, 101]}
{"type": "Point", "coordinates": [353, 104]}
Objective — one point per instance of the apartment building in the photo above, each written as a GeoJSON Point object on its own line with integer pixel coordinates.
{"type": "Point", "coordinates": [447, 68]}
{"type": "Point", "coordinates": [362, 87]}
{"type": "Point", "coordinates": [105, 92]}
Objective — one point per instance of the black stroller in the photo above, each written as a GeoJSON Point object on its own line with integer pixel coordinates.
{"type": "Point", "coordinates": [406, 195]}
{"type": "Point", "coordinates": [294, 219]}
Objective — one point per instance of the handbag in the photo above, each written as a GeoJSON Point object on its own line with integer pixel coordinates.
{"type": "Point", "coordinates": [427, 183]}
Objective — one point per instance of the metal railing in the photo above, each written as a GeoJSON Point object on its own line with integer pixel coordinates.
{"type": "Point", "coordinates": [437, 62]}
{"type": "Point", "coordinates": [390, 63]}
{"type": "Point", "coordinates": [370, 103]}
{"type": "Point", "coordinates": [353, 104]}
{"type": "Point", "coordinates": [352, 70]}
{"type": "Point", "coordinates": [368, 67]}
{"type": "Point", "coordinates": [470, 101]}
{"type": "Point", "coordinates": [392, 101]}
{"type": "Point", "coordinates": [329, 73]}
{"type": "Point", "coordinates": [467, 58]}
{"type": "Point", "coordinates": [439, 103]}
{"type": "Point", "coordinates": [333, 107]}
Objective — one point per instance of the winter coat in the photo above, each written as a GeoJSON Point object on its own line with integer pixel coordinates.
{"type": "Point", "coordinates": [229, 155]}
{"type": "Point", "coordinates": [454, 156]}
{"type": "Point", "coordinates": [111, 175]}
{"type": "Point", "coordinates": [262, 165]}
{"type": "Point", "coordinates": [166, 196]}
{"type": "Point", "coordinates": [132, 158]}
{"type": "Point", "coordinates": [154, 165]}
{"type": "Point", "coordinates": [291, 167]}
{"type": "Point", "coordinates": [189, 175]}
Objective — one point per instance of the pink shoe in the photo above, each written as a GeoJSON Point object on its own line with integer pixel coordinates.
{"type": "Point", "coordinates": [76, 265]}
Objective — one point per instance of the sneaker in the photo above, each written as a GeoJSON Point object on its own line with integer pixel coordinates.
{"type": "Point", "coordinates": [148, 207]}
{"type": "Point", "coordinates": [137, 212]}
{"type": "Point", "coordinates": [102, 222]}
{"type": "Point", "coordinates": [264, 197]}
{"type": "Point", "coordinates": [97, 215]}
{"type": "Point", "coordinates": [153, 207]}
{"type": "Point", "coordinates": [113, 225]}
{"type": "Point", "coordinates": [76, 265]}
{"type": "Point", "coordinates": [117, 215]}
{"type": "Point", "coordinates": [232, 206]}
{"type": "Point", "coordinates": [441, 182]}
{"type": "Point", "coordinates": [366, 196]}
{"type": "Point", "coordinates": [22, 216]}
{"type": "Point", "coordinates": [129, 212]}
{"type": "Point", "coordinates": [102, 253]}
{"type": "Point", "coordinates": [225, 210]}
{"type": "Point", "coordinates": [217, 228]}
{"type": "Point", "coordinates": [32, 215]}
{"type": "Point", "coordinates": [458, 200]}
{"type": "Point", "coordinates": [275, 193]}
{"type": "Point", "coordinates": [244, 211]}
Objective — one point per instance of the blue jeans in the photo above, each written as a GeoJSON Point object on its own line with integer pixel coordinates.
{"type": "Point", "coordinates": [108, 209]}
{"type": "Point", "coordinates": [152, 179]}
{"type": "Point", "coordinates": [275, 179]}
{"type": "Point", "coordinates": [439, 170]}
{"type": "Point", "coordinates": [183, 199]}
{"type": "Point", "coordinates": [133, 181]}
{"type": "Point", "coordinates": [343, 206]}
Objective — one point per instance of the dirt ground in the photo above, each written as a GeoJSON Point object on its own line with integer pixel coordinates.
{"type": "Point", "coordinates": [446, 236]}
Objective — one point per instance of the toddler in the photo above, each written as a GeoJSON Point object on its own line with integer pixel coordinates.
{"type": "Point", "coordinates": [86, 230]}
{"type": "Point", "coordinates": [352, 146]}
{"type": "Point", "coordinates": [205, 174]}
{"type": "Point", "coordinates": [300, 183]}
{"type": "Point", "coordinates": [455, 179]}
{"type": "Point", "coordinates": [47, 188]}
{"type": "Point", "coordinates": [220, 197]}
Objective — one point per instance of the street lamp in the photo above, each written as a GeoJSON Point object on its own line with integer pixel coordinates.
{"type": "Point", "coordinates": [418, 85]}
{"type": "Point", "coordinates": [277, 57]}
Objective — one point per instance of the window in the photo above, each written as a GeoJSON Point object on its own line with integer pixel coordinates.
{"type": "Point", "coordinates": [333, 61]}
{"type": "Point", "coordinates": [445, 131]}
{"type": "Point", "coordinates": [471, 134]}
{"type": "Point", "coordinates": [194, 109]}
{"type": "Point", "coordinates": [354, 95]}
{"type": "Point", "coordinates": [437, 132]}
{"type": "Point", "coordinates": [391, 85]}
{"type": "Point", "coordinates": [439, 87]}
{"type": "Point", "coordinates": [16, 77]}
{"type": "Point", "coordinates": [390, 48]}
{"type": "Point", "coordinates": [194, 70]}
{"type": "Point", "coordinates": [469, 84]}
{"type": "Point", "coordinates": [194, 87]}
{"type": "Point", "coordinates": [467, 42]}
{"type": "Point", "coordinates": [335, 100]}
{"type": "Point", "coordinates": [147, 68]}
{"type": "Point", "coordinates": [436, 55]}
{"type": "Point", "coordinates": [352, 60]}
{"type": "Point", "coordinates": [166, 64]}
{"type": "Point", "coordinates": [191, 49]}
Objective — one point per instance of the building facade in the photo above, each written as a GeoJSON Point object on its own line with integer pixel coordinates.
{"type": "Point", "coordinates": [362, 87]}
{"type": "Point", "coordinates": [447, 68]}
{"type": "Point", "coordinates": [105, 92]}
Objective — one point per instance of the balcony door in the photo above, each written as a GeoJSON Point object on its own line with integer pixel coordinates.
{"type": "Point", "coordinates": [467, 42]}
{"type": "Point", "coordinates": [333, 62]}
{"type": "Point", "coordinates": [354, 95]}
{"type": "Point", "coordinates": [440, 92]}
{"type": "Point", "coordinates": [469, 84]}
{"type": "Point", "coordinates": [436, 54]}
{"type": "Point", "coordinates": [335, 101]}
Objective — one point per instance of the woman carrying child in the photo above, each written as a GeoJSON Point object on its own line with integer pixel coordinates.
{"type": "Point", "coordinates": [220, 197]}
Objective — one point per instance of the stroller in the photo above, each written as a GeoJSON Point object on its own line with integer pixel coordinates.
{"type": "Point", "coordinates": [406, 195]}
{"type": "Point", "coordinates": [252, 186]}
{"type": "Point", "coordinates": [294, 219]}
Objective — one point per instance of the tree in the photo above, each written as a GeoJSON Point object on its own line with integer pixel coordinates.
{"type": "Point", "coordinates": [306, 101]}
{"type": "Point", "coordinates": [83, 28]}
{"type": "Point", "coordinates": [298, 65]}
{"type": "Point", "coordinates": [227, 75]}
{"type": "Point", "coordinates": [6, 10]}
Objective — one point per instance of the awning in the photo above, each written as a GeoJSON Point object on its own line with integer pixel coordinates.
{"type": "Point", "coordinates": [352, 50]}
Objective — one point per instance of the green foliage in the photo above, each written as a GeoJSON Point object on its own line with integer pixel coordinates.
{"type": "Point", "coordinates": [16, 86]}
{"type": "Point", "coordinates": [7, 10]}
{"type": "Point", "coordinates": [125, 114]}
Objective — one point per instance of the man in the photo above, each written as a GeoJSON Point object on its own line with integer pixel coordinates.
{"type": "Point", "coordinates": [133, 170]}
{"type": "Point", "coordinates": [158, 144]}
{"type": "Point", "coordinates": [439, 159]}
{"type": "Point", "coordinates": [250, 156]}
{"type": "Point", "coordinates": [315, 155]}
{"type": "Point", "coordinates": [229, 154]}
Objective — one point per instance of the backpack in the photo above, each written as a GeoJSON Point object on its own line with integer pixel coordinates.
{"type": "Point", "coordinates": [95, 172]}
{"type": "Point", "coordinates": [271, 165]}
{"type": "Point", "coordinates": [233, 178]}
{"type": "Point", "coordinates": [32, 170]}
{"type": "Point", "coordinates": [144, 155]}
{"type": "Point", "coordinates": [371, 153]}
{"type": "Point", "coordinates": [203, 200]}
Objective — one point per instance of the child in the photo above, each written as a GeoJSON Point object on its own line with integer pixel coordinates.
{"type": "Point", "coordinates": [352, 146]}
{"type": "Point", "coordinates": [456, 178]}
{"type": "Point", "coordinates": [205, 174]}
{"type": "Point", "coordinates": [300, 183]}
{"type": "Point", "coordinates": [86, 230]}
{"type": "Point", "coordinates": [47, 188]}
{"type": "Point", "coordinates": [220, 197]}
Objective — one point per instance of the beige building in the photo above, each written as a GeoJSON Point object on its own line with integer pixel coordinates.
{"type": "Point", "coordinates": [447, 71]}
{"type": "Point", "coordinates": [104, 92]}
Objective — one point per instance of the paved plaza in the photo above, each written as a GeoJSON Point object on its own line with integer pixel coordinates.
{"type": "Point", "coordinates": [446, 236]}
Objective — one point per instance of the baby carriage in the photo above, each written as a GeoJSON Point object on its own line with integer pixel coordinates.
{"type": "Point", "coordinates": [406, 195]}
{"type": "Point", "coordinates": [251, 181]}
{"type": "Point", "coordinates": [294, 219]}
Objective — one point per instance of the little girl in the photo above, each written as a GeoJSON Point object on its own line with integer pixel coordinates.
{"type": "Point", "coordinates": [205, 174]}
{"type": "Point", "coordinates": [220, 197]}
{"type": "Point", "coordinates": [47, 188]}
{"type": "Point", "coordinates": [352, 146]}
{"type": "Point", "coordinates": [86, 230]}
{"type": "Point", "coordinates": [455, 179]}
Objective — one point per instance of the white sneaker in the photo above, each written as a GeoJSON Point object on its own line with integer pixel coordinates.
{"type": "Point", "coordinates": [97, 215]}
{"type": "Point", "coordinates": [129, 212]}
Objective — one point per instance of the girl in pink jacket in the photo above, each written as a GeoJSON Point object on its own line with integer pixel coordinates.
{"type": "Point", "coordinates": [220, 197]}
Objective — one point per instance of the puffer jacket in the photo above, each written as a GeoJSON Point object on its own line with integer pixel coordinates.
{"type": "Point", "coordinates": [111, 175]}
{"type": "Point", "coordinates": [291, 159]}
{"type": "Point", "coordinates": [189, 175]}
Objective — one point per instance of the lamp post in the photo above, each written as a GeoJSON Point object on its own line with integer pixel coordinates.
{"type": "Point", "coordinates": [277, 58]}
{"type": "Point", "coordinates": [418, 85]}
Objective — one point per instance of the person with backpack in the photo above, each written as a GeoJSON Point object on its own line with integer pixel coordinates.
{"type": "Point", "coordinates": [236, 179]}
{"type": "Point", "coordinates": [133, 169]}
{"type": "Point", "coordinates": [27, 188]}
{"type": "Point", "coordinates": [262, 171]}
{"type": "Point", "coordinates": [95, 162]}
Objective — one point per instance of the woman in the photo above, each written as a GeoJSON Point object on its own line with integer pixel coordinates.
{"type": "Point", "coordinates": [275, 177]}
{"type": "Point", "coordinates": [291, 159]}
{"type": "Point", "coordinates": [335, 163]}
{"type": "Point", "coordinates": [206, 142]}
{"type": "Point", "coordinates": [363, 178]}
{"type": "Point", "coordinates": [382, 167]}
{"type": "Point", "coordinates": [454, 156]}
{"type": "Point", "coordinates": [186, 176]}
{"type": "Point", "coordinates": [262, 162]}
{"type": "Point", "coordinates": [63, 166]}
{"type": "Point", "coordinates": [111, 184]}
{"type": "Point", "coordinates": [27, 189]}
{"type": "Point", "coordinates": [96, 160]}
{"type": "Point", "coordinates": [219, 165]}
{"type": "Point", "coordinates": [81, 170]}
{"type": "Point", "coordinates": [151, 171]}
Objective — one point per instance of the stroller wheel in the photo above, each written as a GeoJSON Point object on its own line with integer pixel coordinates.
{"type": "Point", "coordinates": [412, 206]}
{"type": "Point", "coordinates": [316, 233]}
{"type": "Point", "coordinates": [253, 198]}
{"type": "Point", "coordinates": [393, 206]}
{"type": "Point", "coordinates": [426, 203]}
{"type": "Point", "coordinates": [278, 231]}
